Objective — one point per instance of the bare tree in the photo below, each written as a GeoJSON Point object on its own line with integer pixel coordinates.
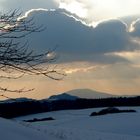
{"type": "Point", "coordinates": [16, 60]}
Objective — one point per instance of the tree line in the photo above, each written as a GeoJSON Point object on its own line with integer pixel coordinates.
{"type": "Point", "coordinates": [15, 109]}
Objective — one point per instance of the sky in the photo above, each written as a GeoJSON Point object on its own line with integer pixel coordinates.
{"type": "Point", "coordinates": [98, 44]}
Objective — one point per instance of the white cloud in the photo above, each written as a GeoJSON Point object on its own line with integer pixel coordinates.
{"type": "Point", "coordinates": [80, 69]}
{"type": "Point", "coordinates": [135, 28]}
{"type": "Point", "coordinates": [133, 56]}
{"type": "Point", "coordinates": [92, 10]}
{"type": "Point", "coordinates": [96, 10]}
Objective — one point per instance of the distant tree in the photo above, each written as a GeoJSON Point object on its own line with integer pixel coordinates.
{"type": "Point", "coordinates": [16, 59]}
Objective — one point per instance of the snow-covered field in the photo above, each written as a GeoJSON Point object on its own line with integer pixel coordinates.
{"type": "Point", "coordinates": [74, 125]}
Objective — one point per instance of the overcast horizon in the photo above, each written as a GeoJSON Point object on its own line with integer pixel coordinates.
{"type": "Point", "coordinates": [98, 44]}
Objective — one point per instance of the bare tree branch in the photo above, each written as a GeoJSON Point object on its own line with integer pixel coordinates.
{"type": "Point", "coordinates": [17, 58]}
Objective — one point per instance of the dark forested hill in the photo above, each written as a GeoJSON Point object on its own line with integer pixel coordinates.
{"type": "Point", "coordinates": [18, 108]}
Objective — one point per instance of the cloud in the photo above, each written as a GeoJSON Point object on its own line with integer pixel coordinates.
{"type": "Point", "coordinates": [96, 10]}
{"type": "Point", "coordinates": [91, 10]}
{"type": "Point", "coordinates": [110, 36]}
{"type": "Point", "coordinates": [25, 5]}
{"type": "Point", "coordinates": [135, 28]}
{"type": "Point", "coordinates": [77, 70]}
{"type": "Point", "coordinates": [117, 71]}
{"type": "Point", "coordinates": [79, 42]}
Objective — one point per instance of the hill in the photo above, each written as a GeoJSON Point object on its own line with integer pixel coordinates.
{"type": "Point", "coordinates": [89, 94]}
{"type": "Point", "coordinates": [63, 96]}
{"type": "Point", "coordinates": [18, 100]}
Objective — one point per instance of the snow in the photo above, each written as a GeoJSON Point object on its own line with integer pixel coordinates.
{"type": "Point", "coordinates": [73, 125]}
{"type": "Point", "coordinates": [11, 130]}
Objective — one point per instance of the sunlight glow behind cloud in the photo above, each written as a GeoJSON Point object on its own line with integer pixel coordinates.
{"type": "Point", "coordinates": [95, 10]}
{"type": "Point", "coordinates": [91, 10]}
{"type": "Point", "coordinates": [131, 56]}
{"type": "Point", "coordinates": [75, 7]}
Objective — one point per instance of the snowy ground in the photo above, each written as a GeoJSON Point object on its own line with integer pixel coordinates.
{"type": "Point", "coordinates": [74, 125]}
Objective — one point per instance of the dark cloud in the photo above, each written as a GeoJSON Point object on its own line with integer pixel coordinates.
{"type": "Point", "coordinates": [111, 36]}
{"type": "Point", "coordinates": [79, 42]}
